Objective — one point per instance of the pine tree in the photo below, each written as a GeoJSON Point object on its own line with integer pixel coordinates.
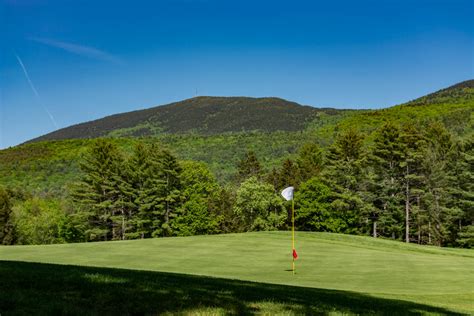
{"type": "Point", "coordinates": [97, 190]}
{"type": "Point", "coordinates": [412, 180]}
{"type": "Point", "coordinates": [310, 161]}
{"type": "Point", "coordinates": [141, 174]}
{"type": "Point", "coordinates": [344, 175]}
{"type": "Point", "coordinates": [385, 179]}
{"type": "Point", "coordinates": [436, 212]}
{"type": "Point", "coordinates": [462, 173]}
{"type": "Point", "coordinates": [161, 196]}
{"type": "Point", "coordinates": [249, 166]}
{"type": "Point", "coordinates": [288, 175]}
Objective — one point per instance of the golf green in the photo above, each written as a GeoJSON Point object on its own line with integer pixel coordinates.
{"type": "Point", "coordinates": [380, 269]}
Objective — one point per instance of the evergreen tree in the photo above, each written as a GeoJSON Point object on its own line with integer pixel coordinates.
{"type": "Point", "coordinates": [466, 237]}
{"type": "Point", "coordinates": [221, 204]}
{"type": "Point", "coordinates": [385, 179]}
{"type": "Point", "coordinates": [124, 206]}
{"type": "Point", "coordinates": [344, 175]}
{"type": "Point", "coordinates": [288, 175]}
{"type": "Point", "coordinates": [249, 166]}
{"type": "Point", "coordinates": [167, 195]}
{"type": "Point", "coordinates": [310, 161]}
{"type": "Point", "coordinates": [436, 210]}
{"type": "Point", "coordinates": [462, 188]}
{"type": "Point", "coordinates": [97, 190]}
{"type": "Point", "coordinates": [142, 174]}
{"type": "Point", "coordinates": [412, 181]}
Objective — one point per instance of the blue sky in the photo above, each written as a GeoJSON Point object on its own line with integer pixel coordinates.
{"type": "Point", "coordinates": [64, 62]}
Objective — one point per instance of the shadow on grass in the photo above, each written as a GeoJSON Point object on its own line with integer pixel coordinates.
{"type": "Point", "coordinates": [34, 288]}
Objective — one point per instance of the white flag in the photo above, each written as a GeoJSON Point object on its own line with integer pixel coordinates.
{"type": "Point", "coordinates": [288, 193]}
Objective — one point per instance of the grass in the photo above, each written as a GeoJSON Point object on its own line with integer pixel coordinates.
{"type": "Point", "coordinates": [238, 274]}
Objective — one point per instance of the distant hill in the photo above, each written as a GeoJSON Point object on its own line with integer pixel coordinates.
{"type": "Point", "coordinates": [460, 91]}
{"type": "Point", "coordinates": [202, 115]}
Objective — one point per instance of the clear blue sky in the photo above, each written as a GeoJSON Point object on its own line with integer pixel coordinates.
{"type": "Point", "coordinates": [64, 62]}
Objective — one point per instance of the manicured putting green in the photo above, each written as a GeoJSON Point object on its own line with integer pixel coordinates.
{"type": "Point", "coordinates": [378, 268]}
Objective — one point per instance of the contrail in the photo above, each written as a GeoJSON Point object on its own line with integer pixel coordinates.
{"type": "Point", "coordinates": [82, 50]}
{"type": "Point", "coordinates": [32, 86]}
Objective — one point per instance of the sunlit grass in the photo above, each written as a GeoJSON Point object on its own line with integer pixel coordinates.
{"type": "Point", "coordinates": [381, 269]}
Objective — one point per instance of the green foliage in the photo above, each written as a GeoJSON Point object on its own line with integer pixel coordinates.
{"type": "Point", "coordinates": [345, 176]}
{"type": "Point", "coordinates": [385, 159]}
{"type": "Point", "coordinates": [221, 203]}
{"type": "Point", "coordinates": [249, 166]}
{"type": "Point", "coordinates": [466, 237]}
{"type": "Point", "coordinates": [195, 219]}
{"type": "Point", "coordinates": [258, 207]}
{"type": "Point", "coordinates": [197, 180]}
{"type": "Point", "coordinates": [195, 216]}
{"type": "Point", "coordinates": [39, 221]}
{"type": "Point", "coordinates": [204, 115]}
{"type": "Point", "coordinates": [170, 198]}
{"type": "Point", "coordinates": [314, 211]}
{"type": "Point", "coordinates": [6, 223]}
{"type": "Point", "coordinates": [99, 191]}
{"type": "Point", "coordinates": [404, 172]}
{"type": "Point", "coordinates": [310, 161]}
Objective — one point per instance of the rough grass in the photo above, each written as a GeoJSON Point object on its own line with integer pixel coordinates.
{"type": "Point", "coordinates": [335, 274]}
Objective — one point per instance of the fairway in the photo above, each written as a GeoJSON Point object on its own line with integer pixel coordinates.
{"type": "Point", "coordinates": [378, 269]}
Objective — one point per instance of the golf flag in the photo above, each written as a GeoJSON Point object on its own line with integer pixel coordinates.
{"type": "Point", "coordinates": [288, 193]}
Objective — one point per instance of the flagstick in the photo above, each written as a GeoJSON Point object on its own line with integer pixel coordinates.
{"type": "Point", "coordinates": [293, 232]}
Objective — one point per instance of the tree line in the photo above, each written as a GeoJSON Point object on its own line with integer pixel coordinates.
{"type": "Point", "coordinates": [408, 182]}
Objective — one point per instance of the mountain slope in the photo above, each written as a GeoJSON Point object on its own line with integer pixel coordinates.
{"type": "Point", "coordinates": [50, 166]}
{"type": "Point", "coordinates": [453, 106]}
{"type": "Point", "coordinates": [203, 115]}
{"type": "Point", "coordinates": [462, 91]}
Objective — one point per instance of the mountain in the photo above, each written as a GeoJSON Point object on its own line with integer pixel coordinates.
{"type": "Point", "coordinates": [52, 165]}
{"type": "Point", "coordinates": [217, 115]}
{"type": "Point", "coordinates": [202, 115]}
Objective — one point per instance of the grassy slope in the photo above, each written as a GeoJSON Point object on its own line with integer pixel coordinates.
{"type": "Point", "coordinates": [373, 268]}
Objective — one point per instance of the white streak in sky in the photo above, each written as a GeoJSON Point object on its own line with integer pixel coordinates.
{"type": "Point", "coordinates": [32, 86]}
{"type": "Point", "coordinates": [81, 50]}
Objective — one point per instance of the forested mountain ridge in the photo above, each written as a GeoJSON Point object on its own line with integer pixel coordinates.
{"type": "Point", "coordinates": [202, 115]}
{"type": "Point", "coordinates": [216, 115]}
{"type": "Point", "coordinates": [43, 165]}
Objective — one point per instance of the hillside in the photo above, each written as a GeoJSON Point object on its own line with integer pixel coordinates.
{"type": "Point", "coordinates": [460, 91]}
{"type": "Point", "coordinates": [217, 115]}
{"type": "Point", "coordinates": [202, 115]}
{"type": "Point", "coordinates": [52, 165]}
{"type": "Point", "coordinates": [376, 276]}
{"type": "Point", "coordinates": [453, 106]}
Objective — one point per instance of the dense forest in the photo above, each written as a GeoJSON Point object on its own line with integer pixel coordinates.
{"type": "Point", "coordinates": [204, 115]}
{"type": "Point", "coordinates": [404, 173]}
